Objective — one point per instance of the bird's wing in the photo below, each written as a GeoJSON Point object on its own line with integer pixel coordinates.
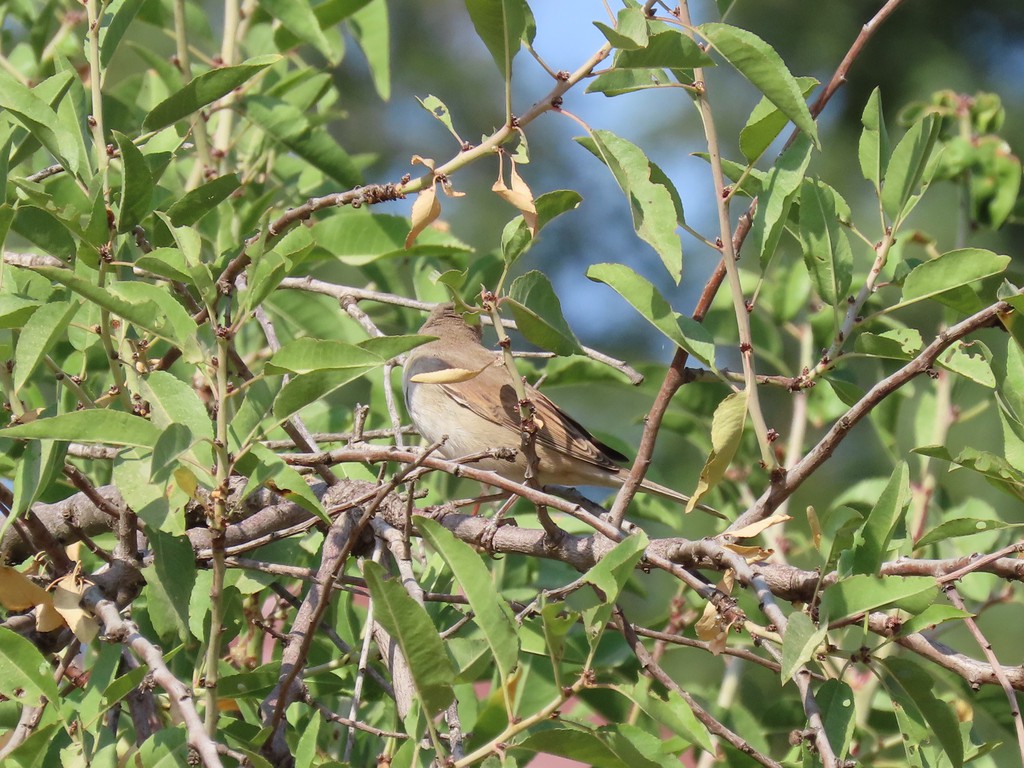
{"type": "Point", "coordinates": [558, 431]}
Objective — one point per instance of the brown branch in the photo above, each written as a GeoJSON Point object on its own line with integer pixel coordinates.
{"type": "Point", "coordinates": [997, 668]}
{"type": "Point", "coordinates": [120, 630]}
{"type": "Point", "coordinates": [655, 671]}
{"type": "Point", "coordinates": [794, 478]}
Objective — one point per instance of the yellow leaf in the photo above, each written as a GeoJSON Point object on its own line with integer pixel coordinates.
{"type": "Point", "coordinates": [67, 598]}
{"type": "Point", "coordinates": [18, 593]}
{"type": "Point", "coordinates": [186, 480]}
{"type": "Point", "coordinates": [711, 629]}
{"type": "Point", "coordinates": [749, 553]}
{"type": "Point", "coordinates": [815, 524]}
{"type": "Point", "coordinates": [754, 529]}
{"type": "Point", "coordinates": [429, 163]}
{"type": "Point", "coordinates": [48, 618]}
{"type": "Point", "coordinates": [726, 432]}
{"type": "Point", "coordinates": [519, 195]}
{"type": "Point", "coordinates": [426, 208]}
{"type": "Point", "coordinates": [448, 375]}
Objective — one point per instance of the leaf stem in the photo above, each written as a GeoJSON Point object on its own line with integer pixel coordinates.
{"type": "Point", "coordinates": [94, 11]}
{"type": "Point", "coordinates": [223, 473]}
{"type": "Point", "coordinates": [729, 259]}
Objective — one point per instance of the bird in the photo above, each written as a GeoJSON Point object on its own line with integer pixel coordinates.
{"type": "Point", "coordinates": [458, 391]}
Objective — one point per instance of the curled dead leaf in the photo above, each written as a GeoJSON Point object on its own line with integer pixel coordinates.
{"type": "Point", "coordinates": [67, 601]}
{"type": "Point", "coordinates": [425, 209]}
{"type": "Point", "coordinates": [752, 554]}
{"type": "Point", "coordinates": [754, 529]}
{"type": "Point", "coordinates": [712, 630]}
{"type": "Point", "coordinates": [519, 195]}
{"type": "Point", "coordinates": [426, 161]}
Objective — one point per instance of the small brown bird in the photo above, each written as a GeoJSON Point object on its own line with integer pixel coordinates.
{"type": "Point", "coordinates": [456, 387]}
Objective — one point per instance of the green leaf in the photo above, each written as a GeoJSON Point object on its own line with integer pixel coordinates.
{"type": "Point", "coordinates": [609, 576]}
{"type": "Point", "coordinates": [42, 331]}
{"type": "Point", "coordinates": [836, 702]}
{"type": "Point", "coordinates": [516, 240]}
{"type": "Point", "coordinates": [264, 467]}
{"type": "Point", "coordinates": [761, 65]}
{"type": "Point", "coordinates": [173, 401]}
{"type": "Point", "coordinates": [766, 123]}
{"type": "Point", "coordinates": [357, 238]}
{"type": "Point", "coordinates": [553, 204]}
{"type": "Point", "coordinates": [872, 542]}
{"type": "Point", "coordinates": [198, 202]}
{"type": "Point", "coordinates": [629, 32]}
{"type": "Point", "coordinates": [167, 748]}
{"type": "Point", "coordinates": [905, 170]}
{"type": "Point", "coordinates": [204, 89]}
{"type": "Point", "coordinates": [873, 149]}
{"type": "Point", "coordinates": [410, 626]}
{"type": "Point", "coordinates": [286, 124]}
{"type": "Point", "coordinates": [726, 433]}
{"type": "Point", "coordinates": [930, 617]}
{"type": "Point", "coordinates": [307, 748]}
{"type": "Point", "coordinates": [826, 248]}
{"type": "Point", "coordinates": [645, 299]}
{"type": "Point", "coordinates": [175, 440]}
{"type": "Point", "coordinates": [994, 468]}
{"type": "Point", "coordinates": [978, 368]}
{"type": "Point", "coordinates": [174, 566]}
{"type": "Point", "coordinates": [800, 643]}
{"type": "Point", "coordinates": [672, 712]}
{"type": "Point", "coordinates": [911, 688]}
{"type": "Point", "coordinates": [669, 49]}
{"type": "Point", "coordinates": [298, 18]}
{"type": "Point", "coordinates": [136, 185]}
{"type": "Point", "coordinates": [653, 200]}
{"type": "Point", "coordinates": [15, 310]}
{"type": "Point", "coordinates": [41, 121]}
{"type": "Point", "coordinates": [142, 304]}
{"type": "Point", "coordinates": [615, 82]}
{"type": "Point", "coordinates": [309, 387]}
{"type": "Point", "coordinates": [491, 613]}
{"type": "Point", "coordinates": [500, 24]}
{"type": "Point", "coordinates": [391, 347]}
{"type": "Point", "coordinates": [962, 526]}
{"type": "Point", "coordinates": [25, 676]}
{"type": "Point", "coordinates": [371, 28]}
{"type": "Point", "coordinates": [538, 314]}
{"type": "Point", "coordinates": [40, 463]}
{"type": "Point", "coordinates": [89, 426]}
{"type": "Point", "coordinates": [613, 746]}
{"type": "Point", "coordinates": [950, 271]}
{"type": "Point", "coordinates": [309, 355]}
{"type": "Point", "coordinates": [897, 344]}
{"type": "Point", "coordinates": [439, 110]}
{"type": "Point", "coordinates": [122, 13]}
{"type": "Point", "coordinates": [780, 189]}
{"type": "Point", "coordinates": [41, 228]}
{"type": "Point", "coordinates": [858, 594]}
